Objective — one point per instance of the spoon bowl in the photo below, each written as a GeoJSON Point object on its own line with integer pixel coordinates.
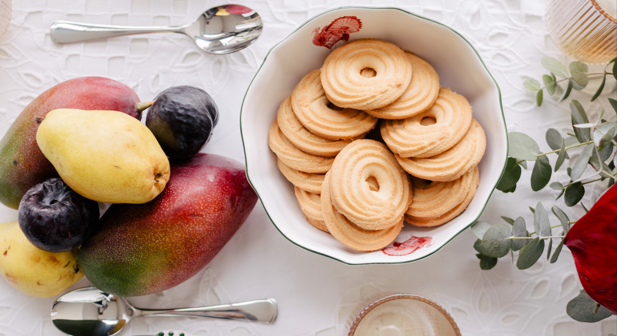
{"type": "Point", "coordinates": [89, 311]}
{"type": "Point", "coordinates": [219, 30]}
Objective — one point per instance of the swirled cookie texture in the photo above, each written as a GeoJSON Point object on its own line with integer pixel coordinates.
{"type": "Point", "coordinates": [453, 163]}
{"type": "Point", "coordinates": [420, 95]}
{"type": "Point", "coordinates": [292, 156]}
{"type": "Point", "coordinates": [313, 110]}
{"type": "Point", "coordinates": [365, 74]}
{"type": "Point", "coordinates": [300, 137]}
{"type": "Point", "coordinates": [305, 181]}
{"type": "Point", "coordinates": [474, 178]}
{"type": "Point", "coordinates": [368, 186]}
{"type": "Point", "coordinates": [432, 200]}
{"type": "Point", "coordinates": [431, 132]}
{"type": "Point", "coordinates": [310, 204]}
{"type": "Point", "coordinates": [348, 233]}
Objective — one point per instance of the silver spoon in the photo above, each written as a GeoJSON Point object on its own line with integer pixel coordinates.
{"type": "Point", "coordinates": [89, 311]}
{"type": "Point", "coordinates": [222, 29]}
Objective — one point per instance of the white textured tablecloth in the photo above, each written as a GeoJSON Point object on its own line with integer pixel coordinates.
{"type": "Point", "coordinates": [315, 294]}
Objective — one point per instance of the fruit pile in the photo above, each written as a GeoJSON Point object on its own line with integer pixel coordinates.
{"type": "Point", "coordinates": [82, 142]}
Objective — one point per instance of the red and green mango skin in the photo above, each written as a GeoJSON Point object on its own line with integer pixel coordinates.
{"type": "Point", "coordinates": [141, 249]}
{"type": "Point", "coordinates": [22, 164]}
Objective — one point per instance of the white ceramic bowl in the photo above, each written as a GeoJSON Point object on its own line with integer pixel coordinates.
{"type": "Point", "coordinates": [460, 68]}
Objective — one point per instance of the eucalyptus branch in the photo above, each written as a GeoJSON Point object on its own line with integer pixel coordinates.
{"type": "Point", "coordinates": [552, 227]}
{"type": "Point", "coordinates": [549, 237]}
{"type": "Point", "coordinates": [569, 147]}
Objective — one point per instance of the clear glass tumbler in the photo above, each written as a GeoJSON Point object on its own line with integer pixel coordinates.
{"type": "Point", "coordinates": [585, 30]}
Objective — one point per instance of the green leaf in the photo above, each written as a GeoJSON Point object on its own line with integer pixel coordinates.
{"type": "Point", "coordinates": [584, 309]}
{"type": "Point", "coordinates": [530, 253]}
{"type": "Point", "coordinates": [533, 211]}
{"type": "Point", "coordinates": [523, 164]}
{"type": "Point", "coordinates": [613, 104]}
{"type": "Point", "coordinates": [531, 85]}
{"type": "Point", "coordinates": [541, 173]}
{"type": "Point", "coordinates": [550, 84]}
{"type": "Point", "coordinates": [599, 91]}
{"type": "Point", "coordinates": [554, 66]}
{"type": "Point", "coordinates": [584, 207]}
{"type": "Point", "coordinates": [576, 86]}
{"type": "Point", "coordinates": [549, 249]}
{"type": "Point", "coordinates": [557, 252]}
{"type": "Point", "coordinates": [615, 68]}
{"type": "Point", "coordinates": [563, 154]}
{"type": "Point", "coordinates": [519, 229]}
{"type": "Point", "coordinates": [487, 263]}
{"type": "Point", "coordinates": [574, 193]}
{"type": "Point", "coordinates": [495, 242]}
{"type": "Point", "coordinates": [560, 194]}
{"type": "Point", "coordinates": [606, 139]}
{"type": "Point", "coordinates": [579, 117]}
{"type": "Point", "coordinates": [563, 218]}
{"type": "Point", "coordinates": [510, 176]}
{"type": "Point", "coordinates": [541, 223]}
{"type": "Point", "coordinates": [553, 138]}
{"type": "Point", "coordinates": [599, 165]}
{"type": "Point", "coordinates": [556, 186]}
{"type": "Point", "coordinates": [567, 91]}
{"type": "Point", "coordinates": [539, 97]}
{"type": "Point", "coordinates": [479, 228]}
{"type": "Point", "coordinates": [477, 245]}
{"type": "Point", "coordinates": [508, 220]}
{"type": "Point", "coordinates": [522, 146]}
{"type": "Point", "coordinates": [578, 70]}
{"type": "Point", "coordinates": [581, 162]}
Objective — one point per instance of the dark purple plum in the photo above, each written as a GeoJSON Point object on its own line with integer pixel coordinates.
{"type": "Point", "coordinates": [182, 118]}
{"type": "Point", "coordinates": [54, 218]}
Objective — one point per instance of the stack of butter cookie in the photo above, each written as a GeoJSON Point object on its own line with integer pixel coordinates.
{"type": "Point", "coordinates": [423, 168]}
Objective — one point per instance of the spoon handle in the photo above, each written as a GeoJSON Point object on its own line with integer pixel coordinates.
{"type": "Point", "coordinates": [69, 32]}
{"type": "Point", "coordinates": [260, 311]}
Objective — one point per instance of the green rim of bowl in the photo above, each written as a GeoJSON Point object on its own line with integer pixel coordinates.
{"type": "Point", "coordinates": [420, 17]}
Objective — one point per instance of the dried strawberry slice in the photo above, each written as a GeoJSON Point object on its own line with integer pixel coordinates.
{"type": "Point", "coordinates": [344, 25]}
{"type": "Point", "coordinates": [407, 247]}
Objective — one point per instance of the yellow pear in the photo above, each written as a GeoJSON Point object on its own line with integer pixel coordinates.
{"type": "Point", "coordinates": [32, 271]}
{"type": "Point", "coordinates": [106, 156]}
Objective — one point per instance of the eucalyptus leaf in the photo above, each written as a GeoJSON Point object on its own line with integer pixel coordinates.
{"type": "Point", "coordinates": [557, 252]}
{"type": "Point", "coordinates": [553, 138]}
{"type": "Point", "coordinates": [522, 146]}
{"type": "Point", "coordinates": [563, 218]}
{"type": "Point", "coordinates": [574, 193]}
{"type": "Point", "coordinates": [608, 136]}
{"type": "Point", "coordinates": [554, 66]}
{"type": "Point", "coordinates": [519, 229]}
{"type": "Point", "coordinates": [477, 245]}
{"type": "Point", "coordinates": [510, 176]}
{"type": "Point", "coordinates": [598, 164]}
{"type": "Point", "coordinates": [599, 91]}
{"type": "Point", "coordinates": [541, 223]}
{"type": "Point", "coordinates": [581, 162]}
{"type": "Point", "coordinates": [563, 191]}
{"type": "Point", "coordinates": [569, 170]}
{"type": "Point", "coordinates": [615, 68]}
{"type": "Point", "coordinates": [584, 309]}
{"type": "Point", "coordinates": [539, 97]}
{"type": "Point", "coordinates": [550, 84]}
{"type": "Point", "coordinates": [487, 263]}
{"type": "Point", "coordinates": [556, 186]}
{"type": "Point", "coordinates": [585, 125]}
{"type": "Point", "coordinates": [530, 253]}
{"type": "Point", "coordinates": [567, 91]}
{"type": "Point", "coordinates": [495, 242]}
{"type": "Point", "coordinates": [563, 154]}
{"type": "Point", "coordinates": [576, 86]}
{"type": "Point", "coordinates": [579, 117]}
{"type": "Point", "coordinates": [523, 164]}
{"type": "Point", "coordinates": [541, 173]}
{"type": "Point", "coordinates": [549, 249]}
{"type": "Point", "coordinates": [571, 141]}
{"type": "Point", "coordinates": [613, 104]}
{"type": "Point", "coordinates": [531, 85]}
{"type": "Point", "coordinates": [584, 207]}
{"type": "Point", "coordinates": [533, 211]}
{"type": "Point", "coordinates": [479, 228]}
{"type": "Point", "coordinates": [578, 70]}
{"type": "Point", "coordinates": [508, 220]}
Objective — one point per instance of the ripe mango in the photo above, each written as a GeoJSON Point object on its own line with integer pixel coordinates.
{"type": "Point", "coordinates": [105, 156]}
{"type": "Point", "coordinates": [141, 249]}
{"type": "Point", "coordinates": [33, 271]}
{"type": "Point", "coordinates": [22, 165]}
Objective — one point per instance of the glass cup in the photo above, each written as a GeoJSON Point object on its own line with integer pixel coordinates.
{"type": "Point", "coordinates": [404, 315]}
{"type": "Point", "coordinates": [584, 30]}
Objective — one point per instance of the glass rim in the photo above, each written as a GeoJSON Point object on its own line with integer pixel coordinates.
{"type": "Point", "coordinates": [602, 11]}
{"type": "Point", "coordinates": [365, 311]}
